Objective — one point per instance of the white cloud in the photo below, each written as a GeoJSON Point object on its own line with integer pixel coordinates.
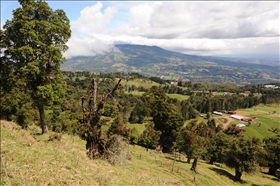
{"type": "Point", "coordinates": [91, 21]}
{"type": "Point", "coordinates": [204, 28]}
{"type": "Point", "coordinates": [140, 15]}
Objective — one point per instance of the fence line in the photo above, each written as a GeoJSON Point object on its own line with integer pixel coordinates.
{"type": "Point", "coordinates": [3, 164]}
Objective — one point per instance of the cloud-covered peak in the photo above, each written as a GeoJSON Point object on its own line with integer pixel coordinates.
{"type": "Point", "coordinates": [205, 28]}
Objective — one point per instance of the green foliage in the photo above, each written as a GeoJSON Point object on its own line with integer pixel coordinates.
{"type": "Point", "coordinates": [217, 148]}
{"type": "Point", "coordinates": [242, 155]}
{"type": "Point", "coordinates": [272, 157]}
{"type": "Point", "coordinates": [213, 126]}
{"type": "Point", "coordinates": [134, 136]}
{"type": "Point", "coordinates": [188, 112]}
{"type": "Point", "coordinates": [18, 107]}
{"type": "Point", "coordinates": [118, 127]}
{"type": "Point", "coordinates": [166, 116]}
{"type": "Point", "coordinates": [193, 138]}
{"type": "Point", "coordinates": [233, 130]}
{"type": "Point", "coordinates": [139, 112]}
{"type": "Point", "coordinates": [150, 137]}
{"type": "Point", "coordinates": [188, 143]}
{"type": "Point", "coordinates": [33, 41]}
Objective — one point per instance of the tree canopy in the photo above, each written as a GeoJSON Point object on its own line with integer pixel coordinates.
{"type": "Point", "coordinates": [272, 148]}
{"type": "Point", "coordinates": [243, 155]}
{"type": "Point", "coordinates": [33, 42]}
{"type": "Point", "coordinates": [166, 116]}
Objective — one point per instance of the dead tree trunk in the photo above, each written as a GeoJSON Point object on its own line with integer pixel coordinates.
{"type": "Point", "coordinates": [91, 122]}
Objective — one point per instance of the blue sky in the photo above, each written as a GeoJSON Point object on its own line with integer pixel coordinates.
{"type": "Point", "coordinates": [191, 27]}
{"type": "Point", "coordinates": [72, 8]}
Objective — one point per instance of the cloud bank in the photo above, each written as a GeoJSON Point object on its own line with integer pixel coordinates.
{"type": "Point", "coordinates": [202, 28]}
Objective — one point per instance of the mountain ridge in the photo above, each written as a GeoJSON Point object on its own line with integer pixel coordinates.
{"type": "Point", "coordinates": [156, 61]}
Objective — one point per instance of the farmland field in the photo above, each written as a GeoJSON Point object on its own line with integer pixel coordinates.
{"type": "Point", "coordinates": [141, 82]}
{"type": "Point", "coordinates": [180, 97]}
{"type": "Point", "coordinates": [267, 118]}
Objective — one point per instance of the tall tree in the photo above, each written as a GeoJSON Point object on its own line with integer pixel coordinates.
{"type": "Point", "coordinates": [217, 148]}
{"type": "Point", "coordinates": [192, 139]}
{"type": "Point", "coordinates": [166, 116]}
{"type": "Point", "coordinates": [242, 155]}
{"type": "Point", "coordinates": [272, 148]}
{"type": "Point", "coordinates": [34, 41]}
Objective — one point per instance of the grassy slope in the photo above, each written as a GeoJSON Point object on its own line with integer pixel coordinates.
{"type": "Point", "coordinates": [142, 82]}
{"type": "Point", "coordinates": [180, 97]}
{"type": "Point", "coordinates": [268, 116]}
{"type": "Point", "coordinates": [148, 84]}
{"type": "Point", "coordinates": [32, 160]}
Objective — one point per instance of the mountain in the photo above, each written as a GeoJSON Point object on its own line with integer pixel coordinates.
{"type": "Point", "coordinates": [155, 61]}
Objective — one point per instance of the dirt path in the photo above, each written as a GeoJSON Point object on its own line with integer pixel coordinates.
{"type": "Point", "coordinates": [229, 120]}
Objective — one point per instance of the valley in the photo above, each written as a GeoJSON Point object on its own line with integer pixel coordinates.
{"type": "Point", "coordinates": [155, 61]}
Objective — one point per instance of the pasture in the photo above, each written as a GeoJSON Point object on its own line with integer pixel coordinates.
{"type": "Point", "coordinates": [267, 119]}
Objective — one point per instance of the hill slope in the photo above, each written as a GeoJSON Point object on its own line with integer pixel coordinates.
{"type": "Point", "coordinates": [32, 159]}
{"type": "Point", "coordinates": [155, 61]}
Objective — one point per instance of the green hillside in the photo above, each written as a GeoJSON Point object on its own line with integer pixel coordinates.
{"type": "Point", "coordinates": [32, 159]}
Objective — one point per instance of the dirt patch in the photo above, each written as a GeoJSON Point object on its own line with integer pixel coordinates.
{"type": "Point", "coordinates": [225, 120]}
{"type": "Point", "coordinates": [227, 123]}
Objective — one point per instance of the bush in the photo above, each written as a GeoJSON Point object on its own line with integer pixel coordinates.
{"type": "Point", "coordinates": [117, 150]}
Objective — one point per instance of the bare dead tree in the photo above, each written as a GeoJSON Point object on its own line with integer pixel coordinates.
{"type": "Point", "coordinates": [92, 123]}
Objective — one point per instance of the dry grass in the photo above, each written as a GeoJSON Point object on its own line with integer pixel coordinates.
{"type": "Point", "coordinates": [34, 160]}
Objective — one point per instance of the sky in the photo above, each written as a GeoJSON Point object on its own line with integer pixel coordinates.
{"type": "Point", "coordinates": [223, 28]}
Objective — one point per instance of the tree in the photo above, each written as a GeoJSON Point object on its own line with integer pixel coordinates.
{"type": "Point", "coordinates": [217, 148]}
{"type": "Point", "coordinates": [150, 137]}
{"type": "Point", "coordinates": [166, 117]}
{"type": "Point", "coordinates": [118, 127]}
{"type": "Point", "coordinates": [187, 111]}
{"type": "Point", "coordinates": [34, 41]}
{"type": "Point", "coordinates": [187, 142]}
{"type": "Point", "coordinates": [234, 131]}
{"type": "Point", "coordinates": [192, 139]}
{"type": "Point", "coordinates": [139, 112]}
{"type": "Point", "coordinates": [242, 155]}
{"type": "Point", "coordinates": [272, 148]}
